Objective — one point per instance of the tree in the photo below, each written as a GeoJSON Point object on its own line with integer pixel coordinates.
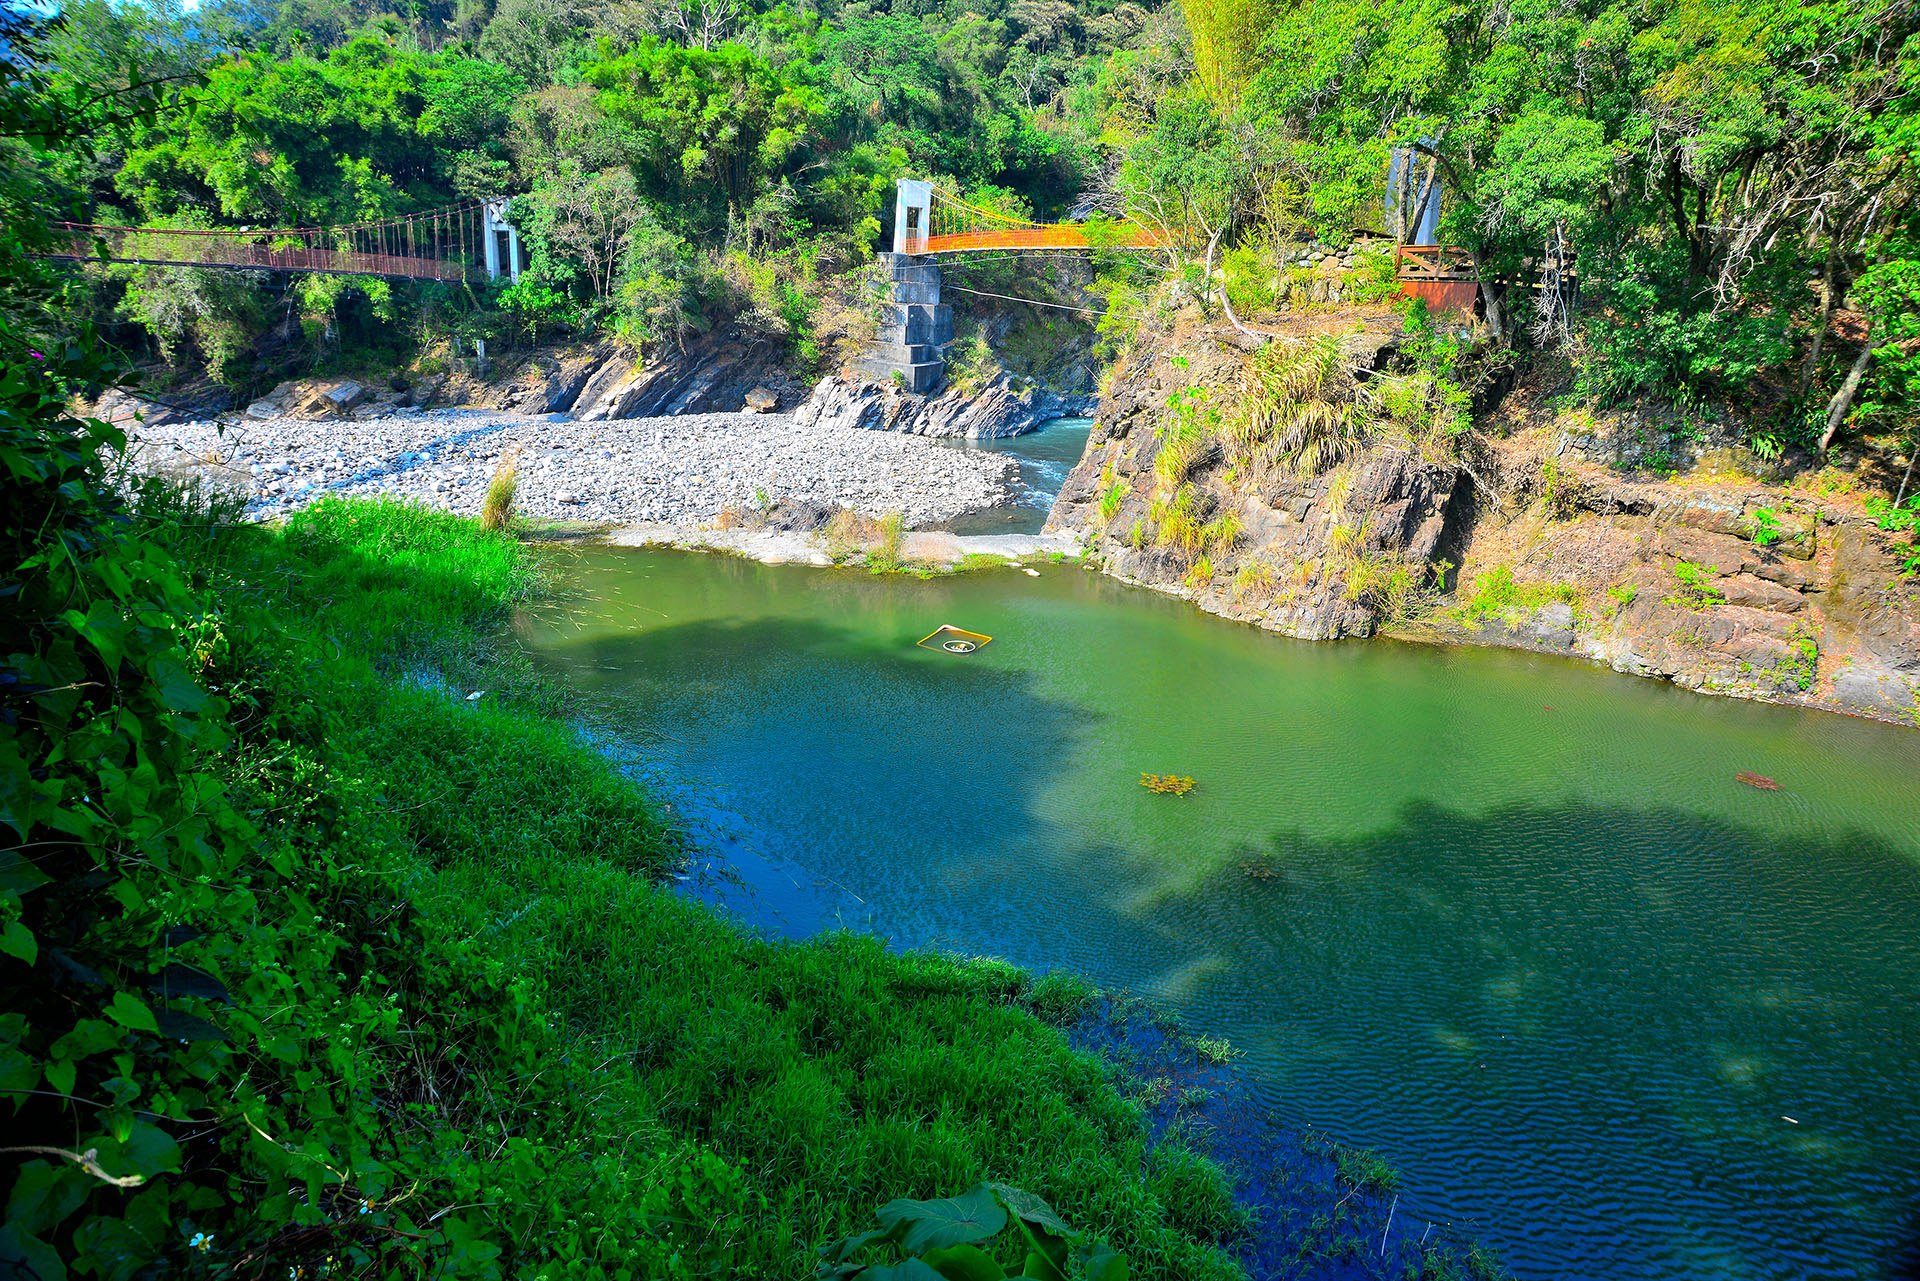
{"type": "Point", "coordinates": [710, 125]}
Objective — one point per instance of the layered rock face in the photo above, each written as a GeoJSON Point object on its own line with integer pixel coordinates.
{"type": "Point", "coordinates": [1310, 557]}
{"type": "Point", "coordinates": [1727, 588]}
{"type": "Point", "coordinates": [713, 375]}
{"type": "Point", "coordinates": [1723, 585]}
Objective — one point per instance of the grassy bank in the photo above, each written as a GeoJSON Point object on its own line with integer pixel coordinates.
{"type": "Point", "coordinates": [409, 1001]}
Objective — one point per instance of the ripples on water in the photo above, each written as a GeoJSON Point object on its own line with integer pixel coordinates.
{"type": "Point", "coordinates": [1506, 918]}
{"type": "Point", "coordinates": [1044, 457]}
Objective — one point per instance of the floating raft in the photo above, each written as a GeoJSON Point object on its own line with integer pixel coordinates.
{"type": "Point", "coordinates": [953, 640]}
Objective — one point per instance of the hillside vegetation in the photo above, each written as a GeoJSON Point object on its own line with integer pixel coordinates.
{"type": "Point", "coordinates": [1707, 203]}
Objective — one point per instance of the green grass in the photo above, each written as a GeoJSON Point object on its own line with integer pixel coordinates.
{"type": "Point", "coordinates": [1497, 594]}
{"type": "Point", "coordinates": [598, 1074]}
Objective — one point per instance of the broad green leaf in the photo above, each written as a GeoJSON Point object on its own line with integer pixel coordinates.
{"type": "Point", "coordinates": [1031, 1210]}
{"type": "Point", "coordinates": [30, 1256]}
{"type": "Point", "coordinates": [905, 1270]}
{"type": "Point", "coordinates": [845, 1248]}
{"type": "Point", "coordinates": [1041, 1268]}
{"type": "Point", "coordinates": [129, 1011]}
{"type": "Point", "coordinates": [18, 941]}
{"type": "Point", "coordinates": [17, 872]}
{"type": "Point", "coordinates": [919, 1226]}
{"type": "Point", "coordinates": [45, 1194]}
{"type": "Point", "coordinates": [1104, 1263]}
{"type": "Point", "coordinates": [60, 1074]}
{"type": "Point", "coordinates": [964, 1263]}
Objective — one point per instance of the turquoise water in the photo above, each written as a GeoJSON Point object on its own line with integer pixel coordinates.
{"type": "Point", "coordinates": [1507, 919]}
{"type": "Point", "coordinates": [1044, 457]}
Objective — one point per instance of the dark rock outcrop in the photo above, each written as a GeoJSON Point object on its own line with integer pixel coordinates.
{"type": "Point", "coordinates": [1004, 407]}
{"type": "Point", "coordinates": [1315, 557]}
{"type": "Point", "coordinates": [712, 376]}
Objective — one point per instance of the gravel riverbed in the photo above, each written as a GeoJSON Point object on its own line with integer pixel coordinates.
{"type": "Point", "coordinates": [681, 470]}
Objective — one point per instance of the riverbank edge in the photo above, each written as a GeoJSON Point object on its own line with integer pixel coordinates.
{"type": "Point", "coordinates": [1314, 1205]}
{"type": "Point", "coordinates": [1437, 631]}
{"type": "Point", "coordinates": [918, 550]}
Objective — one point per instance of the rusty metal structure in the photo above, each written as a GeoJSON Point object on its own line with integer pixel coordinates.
{"type": "Point", "coordinates": [1441, 274]}
{"type": "Point", "coordinates": [464, 242]}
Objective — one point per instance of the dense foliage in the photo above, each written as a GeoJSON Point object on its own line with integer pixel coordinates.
{"type": "Point", "coordinates": [311, 964]}
{"type": "Point", "coordinates": [679, 164]}
{"type": "Point", "coordinates": [1703, 200]}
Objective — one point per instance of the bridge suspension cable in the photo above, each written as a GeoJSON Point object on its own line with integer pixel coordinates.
{"type": "Point", "coordinates": [450, 243]}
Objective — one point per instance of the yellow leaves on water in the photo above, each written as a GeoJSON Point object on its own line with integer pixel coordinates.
{"type": "Point", "coordinates": [1167, 784]}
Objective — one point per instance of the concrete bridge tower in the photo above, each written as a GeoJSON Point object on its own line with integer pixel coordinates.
{"type": "Point", "coordinates": [915, 326]}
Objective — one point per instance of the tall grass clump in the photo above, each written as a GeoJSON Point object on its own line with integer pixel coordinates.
{"type": "Point", "coordinates": [884, 557]}
{"type": "Point", "coordinates": [1301, 409]}
{"type": "Point", "coordinates": [496, 510]}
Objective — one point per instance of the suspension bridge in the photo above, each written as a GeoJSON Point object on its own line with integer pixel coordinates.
{"type": "Point", "coordinates": [462, 242]}
{"type": "Point", "coordinates": [928, 222]}
{"type": "Point", "coordinates": [473, 241]}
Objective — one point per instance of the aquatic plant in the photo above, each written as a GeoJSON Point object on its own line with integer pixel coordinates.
{"type": "Point", "coordinates": [1365, 1170]}
{"type": "Point", "coordinates": [1167, 784]}
{"type": "Point", "coordinates": [1216, 1049]}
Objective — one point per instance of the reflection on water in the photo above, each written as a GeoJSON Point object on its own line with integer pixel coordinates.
{"type": "Point", "coordinates": [1508, 919]}
{"type": "Point", "coordinates": [1045, 457]}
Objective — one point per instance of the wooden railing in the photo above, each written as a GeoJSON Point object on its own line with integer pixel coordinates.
{"type": "Point", "coordinates": [1434, 263]}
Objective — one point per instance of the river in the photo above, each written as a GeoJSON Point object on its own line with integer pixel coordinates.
{"type": "Point", "coordinates": [1509, 919]}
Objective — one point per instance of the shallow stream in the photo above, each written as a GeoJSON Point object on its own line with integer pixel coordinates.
{"type": "Point", "coordinates": [1508, 919]}
{"type": "Point", "coordinates": [1044, 457]}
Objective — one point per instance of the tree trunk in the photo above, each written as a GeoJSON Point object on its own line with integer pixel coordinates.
{"type": "Point", "coordinates": [1487, 298]}
{"type": "Point", "coordinates": [1827, 303]}
{"type": "Point", "coordinates": [1843, 399]}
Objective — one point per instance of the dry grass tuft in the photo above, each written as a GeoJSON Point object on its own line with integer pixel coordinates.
{"type": "Point", "coordinates": [496, 510]}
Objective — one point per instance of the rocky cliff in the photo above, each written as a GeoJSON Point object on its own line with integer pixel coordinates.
{"type": "Point", "coordinates": [1005, 406]}
{"type": "Point", "coordinates": [1544, 537]}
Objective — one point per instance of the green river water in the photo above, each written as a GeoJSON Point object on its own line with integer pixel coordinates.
{"type": "Point", "coordinates": [1506, 918]}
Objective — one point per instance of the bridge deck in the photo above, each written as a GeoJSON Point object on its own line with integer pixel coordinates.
{"type": "Point", "coordinates": [245, 251]}
{"type": "Point", "coordinates": [1064, 236]}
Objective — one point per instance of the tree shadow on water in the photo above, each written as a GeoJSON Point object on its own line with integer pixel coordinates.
{"type": "Point", "coordinates": [1631, 1043]}
{"type": "Point", "coordinates": [904, 773]}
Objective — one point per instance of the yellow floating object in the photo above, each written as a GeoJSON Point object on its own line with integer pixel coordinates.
{"type": "Point", "coordinates": [1167, 784]}
{"type": "Point", "coordinates": [953, 640]}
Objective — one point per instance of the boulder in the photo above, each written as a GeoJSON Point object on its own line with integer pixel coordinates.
{"type": "Point", "coordinates": [124, 408]}
{"type": "Point", "coordinates": [274, 404]}
{"type": "Point", "coordinates": [341, 397]}
{"type": "Point", "coordinates": [761, 401]}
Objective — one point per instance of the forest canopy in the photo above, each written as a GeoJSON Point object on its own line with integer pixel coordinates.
{"type": "Point", "coordinates": [1720, 194]}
